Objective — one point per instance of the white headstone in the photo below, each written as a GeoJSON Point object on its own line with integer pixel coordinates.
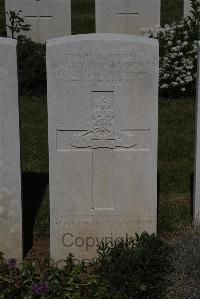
{"type": "Point", "coordinates": [48, 18]}
{"type": "Point", "coordinates": [10, 175]}
{"type": "Point", "coordinates": [187, 8]}
{"type": "Point", "coordinates": [126, 16]}
{"type": "Point", "coordinates": [103, 114]}
{"type": "Point", "coordinates": [196, 204]}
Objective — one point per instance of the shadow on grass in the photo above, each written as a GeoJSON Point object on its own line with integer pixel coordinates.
{"type": "Point", "coordinates": [34, 186]}
{"type": "Point", "coordinates": [192, 195]}
{"type": "Point", "coordinates": [175, 211]}
{"type": "Point", "coordinates": [158, 199]}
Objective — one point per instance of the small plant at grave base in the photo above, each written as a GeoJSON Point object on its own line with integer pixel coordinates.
{"type": "Point", "coordinates": [16, 23]}
{"type": "Point", "coordinates": [25, 282]}
{"type": "Point", "coordinates": [178, 55]}
{"type": "Point", "coordinates": [134, 268]}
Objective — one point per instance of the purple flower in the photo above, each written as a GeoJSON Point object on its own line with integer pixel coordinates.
{"type": "Point", "coordinates": [46, 287]}
{"type": "Point", "coordinates": [36, 288]}
{"type": "Point", "coordinates": [12, 263]}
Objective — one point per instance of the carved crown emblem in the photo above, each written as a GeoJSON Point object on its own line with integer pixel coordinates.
{"type": "Point", "coordinates": [103, 103]}
{"type": "Point", "coordinates": [103, 132]}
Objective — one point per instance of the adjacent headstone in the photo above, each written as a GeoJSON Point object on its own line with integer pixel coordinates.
{"type": "Point", "coordinates": [196, 204]}
{"type": "Point", "coordinates": [10, 175]}
{"type": "Point", "coordinates": [127, 16]}
{"type": "Point", "coordinates": [187, 8]}
{"type": "Point", "coordinates": [103, 125]}
{"type": "Point", "coordinates": [48, 18]}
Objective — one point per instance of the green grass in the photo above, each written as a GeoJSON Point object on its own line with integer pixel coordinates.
{"type": "Point", "coordinates": [175, 162]}
{"type": "Point", "coordinates": [34, 155]}
{"type": "Point", "coordinates": [175, 213]}
{"type": "Point", "coordinates": [171, 10]}
{"type": "Point", "coordinates": [34, 137]}
{"type": "Point", "coordinates": [83, 16]}
{"type": "Point", "coordinates": [42, 220]}
{"type": "Point", "coordinates": [176, 145]}
{"type": "Point", "coordinates": [2, 18]}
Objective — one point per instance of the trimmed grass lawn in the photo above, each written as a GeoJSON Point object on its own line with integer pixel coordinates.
{"type": "Point", "coordinates": [83, 16]}
{"type": "Point", "coordinates": [171, 10]}
{"type": "Point", "coordinates": [34, 155]}
{"type": "Point", "coordinates": [2, 18]}
{"type": "Point", "coordinates": [176, 141]}
{"type": "Point", "coordinates": [175, 162]}
{"type": "Point", "coordinates": [34, 138]}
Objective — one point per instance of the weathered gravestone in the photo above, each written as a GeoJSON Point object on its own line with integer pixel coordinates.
{"type": "Point", "coordinates": [48, 18]}
{"type": "Point", "coordinates": [127, 16]}
{"type": "Point", "coordinates": [187, 8]}
{"type": "Point", "coordinates": [196, 204]}
{"type": "Point", "coordinates": [10, 176]}
{"type": "Point", "coordinates": [103, 114]}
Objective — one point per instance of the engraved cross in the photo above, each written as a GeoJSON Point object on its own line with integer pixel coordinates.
{"type": "Point", "coordinates": [103, 138]}
{"type": "Point", "coordinates": [127, 13]}
{"type": "Point", "coordinates": [106, 142]}
{"type": "Point", "coordinates": [38, 17]}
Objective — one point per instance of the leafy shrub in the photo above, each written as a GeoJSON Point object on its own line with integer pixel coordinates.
{"type": "Point", "coordinates": [16, 23]}
{"type": "Point", "coordinates": [25, 282]}
{"type": "Point", "coordinates": [31, 67]}
{"type": "Point", "coordinates": [134, 268]}
{"type": "Point", "coordinates": [178, 55]}
{"type": "Point", "coordinates": [31, 58]}
{"type": "Point", "coordinates": [184, 278]}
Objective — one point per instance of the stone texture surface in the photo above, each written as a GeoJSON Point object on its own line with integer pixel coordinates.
{"type": "Point", "coordinates": [196, 204]}
{"type": "Point", "coordinates": [10, 174]}
{"type": "Point", "coordinates": [187, 8]}
{"type": "Point", "coordinates": [102, 109]}
{"type": "Point", "coordinates": [126, 16]}
{"type": "Point", "coordinates": [48, 18]}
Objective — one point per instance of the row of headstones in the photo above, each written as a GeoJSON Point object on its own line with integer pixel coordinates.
{"type": "Point", "coordinates": [52, 18]}
{"type": "Point", "coordinates": [103, 128]}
